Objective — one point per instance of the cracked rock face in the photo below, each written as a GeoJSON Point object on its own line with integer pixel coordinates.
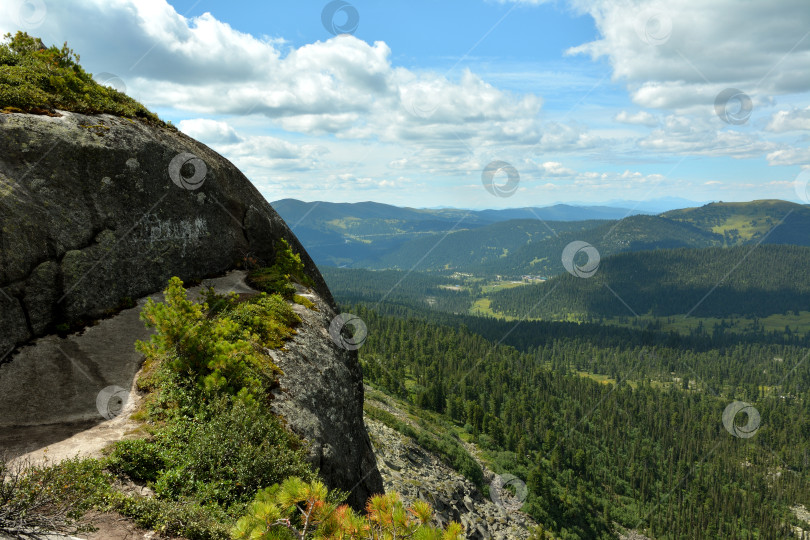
{"type": "Point", "coordinates": [318, 404]}
{"type": "Point", "coordinates": [418, 474]}
{"type": "Point", "coordinates": [97, 210]}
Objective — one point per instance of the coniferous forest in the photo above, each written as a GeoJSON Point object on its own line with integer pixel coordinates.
{"type": "Point", "coordinates": [351, 270]}
{"type": "Point", "coordinates": [626, 449]}
{"type": "Point", "coordinates": [611, 427]}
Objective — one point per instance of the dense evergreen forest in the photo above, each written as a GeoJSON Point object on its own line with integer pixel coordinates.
{"type": "Point", "coordinates": [391, 286]}
{"type": "Point", "coordinates": [628, 450]}
{"type": "Point", "coordinates": [612, 427]}
{"type": "Point", "coordinates": [712, 282]}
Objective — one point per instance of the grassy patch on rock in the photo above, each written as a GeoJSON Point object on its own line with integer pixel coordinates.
{"type": "Point", "coordinates": [39, 79]}
{"type": "Point", "coordinates": [279, 278]}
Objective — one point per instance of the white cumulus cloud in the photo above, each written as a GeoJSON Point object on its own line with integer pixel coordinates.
{"type": "Point", "coordinates": [641, 118]}
{"type": "Point", "coordinates": [792, 120]}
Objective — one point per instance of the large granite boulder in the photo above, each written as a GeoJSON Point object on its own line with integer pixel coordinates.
{"type": "Point", "coordinates": [98, 210]}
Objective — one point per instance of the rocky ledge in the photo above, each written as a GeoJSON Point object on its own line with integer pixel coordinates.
{"type": "Point", "coordinates": [97, 212]}
{"type": "Point", "coordinates": [418, 474]}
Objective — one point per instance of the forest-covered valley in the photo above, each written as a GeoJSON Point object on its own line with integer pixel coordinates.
{"type": "Point", "coordinates": [607, 395]}
{"type": "Point", "coordinates": [354, 270]}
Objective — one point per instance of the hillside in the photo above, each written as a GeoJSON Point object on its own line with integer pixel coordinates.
{"type": "Point", "coordinates": [364, 234]}
{"type": "Point", "coordinates": [742, 280]}
{"type": "Point", "coordinates": [341, 234]}
{"type": "Point", "coordinates": [489, 248]}
{"type": "Point", "coordinates": [515, 248]}
{"type": "Point", "coordinates": [311, 213]}
{"type": "Point", "coordinates": [746, 222]}
{"type": "Point", "coordinates": [515, 242]}
{"type": "Point", "coordinates": [424, 456]}
{"type": "Point", "coordinates": [603, 429]}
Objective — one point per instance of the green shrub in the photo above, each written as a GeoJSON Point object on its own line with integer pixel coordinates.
{"type": "Point", "coordinates": [268, 318]}
{"type": "Point", "coordinates": [186, 518]}
{"type": "Point", "coordinates": [210, 452]}
{"type": "Point", "coordinates": [271, 281]}
{"type": "Point", "coordinates": [226, 452]}
{"type": "Point", "coordinates": [48, 497]}
{"type": "Point", "coordinates": [222, 350]}
{"type": "Point", "coordinates": [301, 510]}
{"type": "Point", "coordinates": [34, 78]}
{"type": "Point", "coordinates": [139, 459]}
{"type": "Point", "coordinates": [276, 278]}
{"type": "Point", "coordinates": [304, 301]}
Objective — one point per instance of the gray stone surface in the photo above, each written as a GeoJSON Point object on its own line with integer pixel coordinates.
{"type": "Point", "coordinates": [418, 474]}
{"type": "Point", "coordinates": [92, 214]}
{"type": "Point", "coordinates": [89, 216]}
{"type": "Point", "coordinates": [321, 397]}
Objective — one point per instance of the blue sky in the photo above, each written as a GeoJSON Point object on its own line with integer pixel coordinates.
{"type": "Point", "coordinates": [589, 101]}
{"type": "Point", "coordinates": [419, 33]}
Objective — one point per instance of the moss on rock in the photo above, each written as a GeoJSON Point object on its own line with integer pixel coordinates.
{"type": "Point", "coordinates": [38, 79]}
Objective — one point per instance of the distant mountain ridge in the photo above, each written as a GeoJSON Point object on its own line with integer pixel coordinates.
{"type": "Point", "coordinates": [361, 234]}
{"type": "Point", "coordinates": [326, 211]}
{"type": "Point", "coordinates": [522, 241]}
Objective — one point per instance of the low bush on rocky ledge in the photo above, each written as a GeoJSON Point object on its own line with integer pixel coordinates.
{"type": "Point", "coordinates": [39, 79]}
{"type": "Point", "coordinates": [223, 349]}
{"type": "Point", "coordinates": [278, 278]}
{"type": "Point", "coordinates": [299, 510]}
{"type": "Point", "coordinates": [213, 445]}
{"type": "Point", "coordinates": [48, 497]}
{"type": "Point", "coordinates": [214, 440]}
{"type": "Point", "coordinates": [219, 450]}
